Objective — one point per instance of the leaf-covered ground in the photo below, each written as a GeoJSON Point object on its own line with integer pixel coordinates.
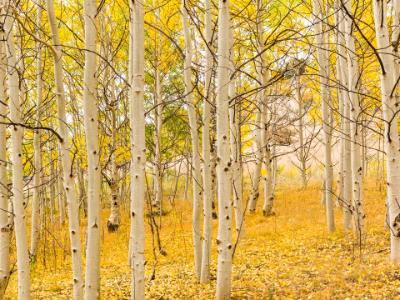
{"type": "Point", "coordinates": [288, 256]}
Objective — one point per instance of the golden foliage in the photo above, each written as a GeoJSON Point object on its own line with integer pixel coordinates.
{"type": "Point", "coordinates": [288, 256]}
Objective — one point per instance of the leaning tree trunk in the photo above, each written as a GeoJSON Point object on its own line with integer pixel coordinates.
{"type": "Point", "coordinates": [4, 193]}
{"type": "Point", "coordinates": [389, 107]}
{"type": "Point", "coordinates": [197, 189]}
{"type": "Point", "coordinates": [138, 150]}
{"type": "Point", "coordinates": [323, 60]}
{"type": "Point", "coordinates": [224, 173]}
{"type": "Point", "coordinates": [92, 274]}
{"type": "Point", "coordinates": [67, 167]}
{"type": "Point", "coordinates": [16, 160]}
{"type": "Point", "coordinates": [207, 196]}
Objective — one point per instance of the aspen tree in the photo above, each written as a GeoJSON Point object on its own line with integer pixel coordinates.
{"type": "Point", "coordinates": [16, 157]}
{"type": "Point", "coordinates": [207, 196]}
{"type": "Point", "coordinates": [345, 117]}
{"type": "Point", "coordinates": [35, 226]}
{"type": "Point", "coordinates": [60, 189]}
{"type": "Point", "coordinates": [197, 188]}
{"type": "Point", "coordinates": [260, 134]}
{"type": "Point", "coordinates": [389, 107]}
{"type": "Point", "coordinates": [235, 140]}
{"type": "Point", "coordinates": [92, 274]}
{"type": "Point", "coordinates": [224, 162]}
{"type": "Point", "coordinates": [158, 187]}
{"type": "Point", "coordinates": [302, 155]}
{"type": "Point", "coordinates": [114, 219]}
{"type": "Point", "coordinates": [69, 177]}
{"type": "Point", "coordinates": [4, 194]}
{"type": "Point", "coordinates": [323, 61]}
{"type": "Point", "coordinates": [356, 126]}
{"type": "Point", "coordinates": [138, 147]}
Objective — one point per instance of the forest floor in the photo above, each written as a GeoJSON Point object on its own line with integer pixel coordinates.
{"type": "Point", "coordinates": [287, 256]}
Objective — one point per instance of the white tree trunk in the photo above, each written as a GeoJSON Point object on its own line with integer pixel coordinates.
{"type": "Point", "coordinates": [389, 106]}
{"type": "Point", "coordinates": [67, 168]}
{"type": "Point", "coordinates": [224, 173]}
{"type": "Point", "coordinates": [260, 134]}
{"type": "Point", "coordinates": [158, 190]}
{"type": "Point", "coordinates": [16, 160]}
{"type": "Point", "coordinates": [302, 155]}
{"type": "Point", "coordinates": [35, 224]}
{"type": "Point", "coordinates": [158, 187]}
{"type": "Point", "coordinates": [356, 126]}
{"type": "Point", "coordinates": [92, 274]}
{"type": "Point", "coordinates": [323, 60]}
{"type": "Point", "coordinates": [61, 194]}
{"type": "Point", "coordinates": [138, 148]}
{"type": "Point", "coordinates": [115, 218]}
{"type": "Point", "coordinates": [236, 147]}
{"type": "Point", "coordinates": [255, 180]}
{"type": "Point", "coordinates": [207, 196]}
{"type": "Point", "coordinates": [197, 188]}
{"type": "Point", "coordinates": [4, 193]}
{"type": "Point", "coordinates": [345, 117]}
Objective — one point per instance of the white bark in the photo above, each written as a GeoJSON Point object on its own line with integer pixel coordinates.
{"type": "Point", "coordinates": [35, 224]}
{"type": "Point", "coordinates": [236, 147]}
{"type": "Point", "coordinates": [224, 174]}
{"type": "Point", "coordinates": [390, 117]}
{"type": "Point", "coordinates": [302, 149]}
{"type": "Point", "coordinates": [197, 188]}
{"type": "Point", "coordinates": [61, 194]}
{"type": "Point", "coordinates": [16, 160]}
{"type": "Point", "coordinates": [138, 148]}
{"type": "Point", "coordinates": [158, 187]}
{"type": "Point", "coordinates": [356, 126]}
{"type": "Point", "coordinates": [69, 177]}
{"type": "Point", "coordinates": [255, 180]}
{"type": "Point", "coordinates": [345, 117]}
{"type": "Point", "coordinates": [207, 196]}
{"type": "Point", "coordinates": [115, 218]}
{"type": "Point", "coordinates": [4, 193]}
{"type": "Point", "coordinates": [260, 134]}
{"type": "Point", "coordinates": [92, 274]}
{"type": "Point", "coordinates": [323, 60]}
